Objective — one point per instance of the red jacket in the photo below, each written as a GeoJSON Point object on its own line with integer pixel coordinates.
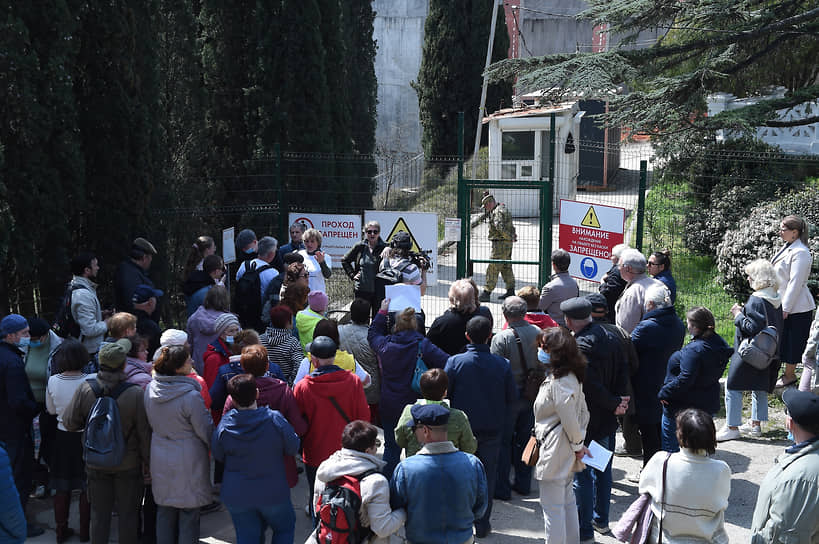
{"type": "Point", "coordinates": [326, 424]}
{"type": "Point", "coordinates": [215, 356]}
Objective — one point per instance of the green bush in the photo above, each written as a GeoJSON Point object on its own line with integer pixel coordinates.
{"type": "Point", "coordinates": [757, 236]}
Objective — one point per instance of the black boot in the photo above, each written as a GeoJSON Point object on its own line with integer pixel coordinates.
{"type": "Point", "coordinates": [508, 293]}
{"type": "Point", "coordinates": [484, 296]}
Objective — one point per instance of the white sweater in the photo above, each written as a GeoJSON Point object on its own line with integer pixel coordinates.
{"type": "Point", "coordinates": [697, 489]}
{"type": "Point", "coordinates": [60, 391]}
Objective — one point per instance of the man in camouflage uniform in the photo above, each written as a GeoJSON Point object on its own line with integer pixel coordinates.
{"type": "Point", "coordinates": [502, 235]}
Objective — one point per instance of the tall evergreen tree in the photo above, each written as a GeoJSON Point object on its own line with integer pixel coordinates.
{"type": "Point", "coordinates": [43, 168]}
{"type": "Point", "coordinates": [455, 39]}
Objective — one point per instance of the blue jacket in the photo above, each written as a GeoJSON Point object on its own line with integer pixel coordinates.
{"type": "Point", "coordinates": [12, 519]}
{"type": "Point", "coordinates": [443, 491]}
{"type": "Point", "coordinates": [757, 314]}
{"type": "Point", "coordinates": [17, 402]}
{"type": "Point", "coordinates": [252, 444]}
{"type": "Point", "coordinates": [655, 338]}
{"type": "Point", "coordinates": [667, 279]}
{"type": "Point", "coordinates": [692, 377]}
{"type": "Point", "coordinates": [218, 391]}
{"type": "Point", "coordinates": [397, 354]}
{"type": "Point", "coordinates": [481, 385]}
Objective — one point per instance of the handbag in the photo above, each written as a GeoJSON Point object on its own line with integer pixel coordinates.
{"type": "Point", "coordinates": [759, 350]}
{"type": "Point", "coordinates": [420, 368]}
{"type": "Point", "coordinates": [531, 452]}
{"type": "Point", "coordinates": [635, 525]}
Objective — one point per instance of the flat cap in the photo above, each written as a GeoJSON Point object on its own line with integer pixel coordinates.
{"type": "Point", "coordinates": [144, 245]}
{"type": "Point", "coordinates": [433, 415]}
{"type": "Point", "coordinates": [803, 406]}
{"type": "Point", "coordinates": [576, 308]}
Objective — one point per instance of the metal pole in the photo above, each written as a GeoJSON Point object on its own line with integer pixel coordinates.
{"type": "Point", "coordinates": [641, 203]}
{"type": "Point", "coordinates": [546, 209]}
{"type": "Point", "coordinates": [482, 108]}
{"type": "Point", "coordinates": [284, 208]}
{"type": "Point", "coordinates": [463, 203]}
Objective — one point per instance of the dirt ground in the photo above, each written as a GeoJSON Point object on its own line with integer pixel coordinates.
{"type": "Point", "coordinates": [519, 521]}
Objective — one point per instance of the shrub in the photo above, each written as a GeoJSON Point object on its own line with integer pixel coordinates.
{"type": "Point", "coordinates": [757, 235]}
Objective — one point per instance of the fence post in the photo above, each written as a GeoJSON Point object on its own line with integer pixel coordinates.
{"type": "Point", "coordinates": [463, 203]}
{"type": "Point", "coordinates": [546, 211]}
{"type": "Point", "coordinates": [641, 204]}
{"type": "Point", "coordinates": [284, 208]}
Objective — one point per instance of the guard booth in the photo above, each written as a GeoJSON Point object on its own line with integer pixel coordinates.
{"type": "Point", "coordinates": [533, 163]}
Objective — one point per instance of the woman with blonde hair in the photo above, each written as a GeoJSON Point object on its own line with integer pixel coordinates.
{"type": "Point", "coordinates": [448, 330]}
{"type": "Point", "coordinates": [319, 265]}
{"type": "Point", "coordinates": [397, 354]}
{"type": "Point", "coordinates": [764, 308]}
{"type": "Point", "coordinates": [792, 264]}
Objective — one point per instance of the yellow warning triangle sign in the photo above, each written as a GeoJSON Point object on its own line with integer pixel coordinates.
{"type": "Point", "coordinates": [590, 219]}
{"type": "Point", "coordinates": [399, 226]}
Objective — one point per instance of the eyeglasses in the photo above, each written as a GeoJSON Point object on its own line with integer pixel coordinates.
{"type": "Point", "coordinates": [653, 264]}
{"type": "Point", "coordinates": [372, 232]}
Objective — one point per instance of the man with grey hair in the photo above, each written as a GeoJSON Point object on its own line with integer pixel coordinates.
{"type": "Point", "coordinates": [518, 344]}
{"type": "Point", "coordinates": [613, 284]}
{"type": "Point", "coordinates": [561, 286]}
{"type": "Point", "coordinates": [630, 309]}
{"type": "Point", "coordinates": [656, 337]}
{"type": "Point", "coordinates": [257, 272]}
{"type": "Point", "coordinates": [296, 232]}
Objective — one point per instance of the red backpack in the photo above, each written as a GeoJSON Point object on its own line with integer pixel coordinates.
{"type": "Point", "coordinates": [337, 511]}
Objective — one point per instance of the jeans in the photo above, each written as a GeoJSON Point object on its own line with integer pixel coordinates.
{"type": "Point", "coordinates": [489, 446]}
{"type": "Point", "coordinates": [669, 438]}
{"type": "Point", "coordinates": [124, 489]}
{"type": "Point", "coordinates": [251, 523]}
{"type": "Point", "coordinates": [177, 525]}
{"type": "Point", "coordinates": [733, 406]}
{"type": "Point", "coordinates": [592, 492]}
{"type": "Point", "coordinates": [392, 452]}
{"type": "Point", "coordinates": [515, 437]}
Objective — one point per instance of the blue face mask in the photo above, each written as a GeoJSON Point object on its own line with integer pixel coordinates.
{"type": "Point", "coordinates": [24, 342]}
{"type": "Point", "coordinates": [35, 343]}
{"type": "Point", "coordinates": [229, 339]}
{"type": "Point", "coordinates": [544, 357]}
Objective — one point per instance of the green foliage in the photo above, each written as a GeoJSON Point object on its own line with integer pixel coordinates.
{"type": "Point", "coordinates": [703, 47]}
{"type": "Point", "coordinates": [757, 236]}
{"type": "Point", "coordinates": [450, 78]}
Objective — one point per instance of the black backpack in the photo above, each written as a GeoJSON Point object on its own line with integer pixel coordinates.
{"type": "Point", "coordinates": [104, 445]}
{"type": "Point", "coordinates": [64, 324]}
{"type": "Point", "coordinates": [248, 302]}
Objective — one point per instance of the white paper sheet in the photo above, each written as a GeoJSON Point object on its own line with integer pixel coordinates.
{"type": "Point", "coordinates": [403, 296]}
{"type": "Point", "coordinates": [600, 456]}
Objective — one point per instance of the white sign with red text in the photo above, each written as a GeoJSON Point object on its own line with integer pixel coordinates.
{"type": "Point", "coordinates": [339, 232]}
{"type": "Point", "coordinates": [589, 232]}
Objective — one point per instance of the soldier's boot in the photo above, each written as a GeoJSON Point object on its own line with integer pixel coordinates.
{"type": "Point", "coordinates": [508, 293]}
{"type": "Point", "coordinates": [484, 297]}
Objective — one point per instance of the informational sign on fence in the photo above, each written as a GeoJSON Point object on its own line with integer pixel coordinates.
{"type": "Point", "coordinates": [339, 232]}
{"type": "Point", "coordinates": [422, 228]}
{"type": "Point", "coordinates": [228, 249]}
{"type": "Point", "coordinates": [589, 232]}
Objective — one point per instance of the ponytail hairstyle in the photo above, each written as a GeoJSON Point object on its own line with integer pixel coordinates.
{"type": "Point", "coordinates": [796, 222]}
{"type": "Point", "coordinates": [663, 258]}
{"type": "Point", "coordinates": [171, 359]}
{"type": "Point", "coordinates": [197, 254]}
{"type": "Point", "coordinates": [703, 320]}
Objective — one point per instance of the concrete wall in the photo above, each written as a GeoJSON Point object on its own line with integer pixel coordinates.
{"type": "Point", "coordinates": [399, 33]}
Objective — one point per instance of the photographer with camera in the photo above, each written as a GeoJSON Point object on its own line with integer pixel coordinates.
{"type": "Point", "coordinates": [401, 265]}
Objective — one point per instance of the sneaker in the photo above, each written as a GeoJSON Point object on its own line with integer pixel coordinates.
{"type": "Point", "coordinates": [484, 297]}
{"type": "Point", "coordinates": [603, 529]}
{"type": "Point", "coordinates": [750, 430]}
{"type": "Point", "coordinates": [727, 433]}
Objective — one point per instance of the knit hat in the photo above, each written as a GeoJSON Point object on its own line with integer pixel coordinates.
{"type": "Point", "coordinates": [112, 356]}
{"type": "Point", "coordinates": [224, 321]}
{"type": "Point", "coordinates": [12, 323]}
{"type": "Point", "coordinates": [37, 326]}
{"type": "Point", "coordinates": [318, 301]}
{"type": "Point", "coordinates": [171, 337]}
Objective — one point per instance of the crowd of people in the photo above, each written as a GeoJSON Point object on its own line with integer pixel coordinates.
{"type": "Point", "coordinates": [161, 426]}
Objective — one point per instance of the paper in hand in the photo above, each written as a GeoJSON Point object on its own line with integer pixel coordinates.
{"type": "Point", "coordinates": [600, 456]}
{"type": "Point", "coordinates": [403, 296]}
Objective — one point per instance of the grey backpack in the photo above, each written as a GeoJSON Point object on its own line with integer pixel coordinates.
{"type": "Point", "coordinates": [759, 350]}
{"type": "Point", "coordinates": [104, 445]}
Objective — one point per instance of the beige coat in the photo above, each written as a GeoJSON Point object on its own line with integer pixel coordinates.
{"type": "Point", "coordinates": [560, 402]}
{"type": "Point", "coordinates": [792, 265]}
{"type": "Point", "coordinates": [630, 308]}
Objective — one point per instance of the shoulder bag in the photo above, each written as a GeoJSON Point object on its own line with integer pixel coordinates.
{"type": "Point", "coordinates": [533, 377]}
{"type": "Point", "coordinates": [531, 452]}
{"type": "Point", "coordinates": [760, 349]}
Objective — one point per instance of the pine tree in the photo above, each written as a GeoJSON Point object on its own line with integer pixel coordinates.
{"type": "Point", "coordinates": [706, 47]}
{"type": "Point", "coordinates": [42, 174]}
{"type": "Point", "coordinates": [450, 78]}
